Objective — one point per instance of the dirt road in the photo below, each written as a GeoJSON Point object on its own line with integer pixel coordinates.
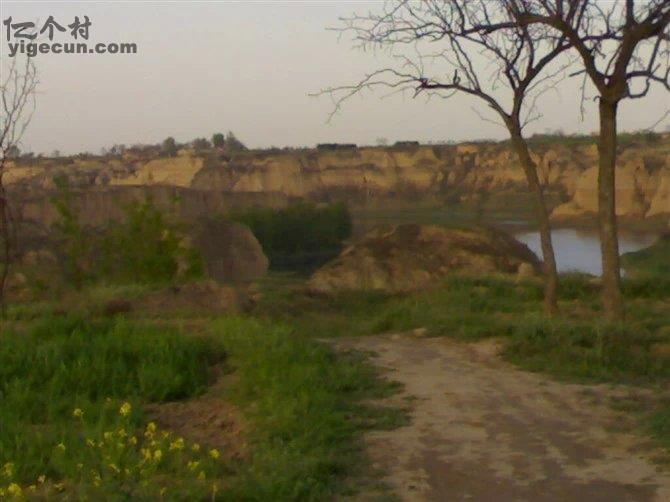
{"type": "Point", "coordinates": [483, 430]}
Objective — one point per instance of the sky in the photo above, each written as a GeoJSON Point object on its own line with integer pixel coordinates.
{"type": "Point", "coordinates": [249, 67]}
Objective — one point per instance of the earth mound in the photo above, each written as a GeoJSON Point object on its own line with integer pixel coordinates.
{"type": "Point", "coordinates": [205, 296]}
{"type": "Point", "coordinates": [231, 252]}
{"type": "Point", "coordinates": [410, 257]}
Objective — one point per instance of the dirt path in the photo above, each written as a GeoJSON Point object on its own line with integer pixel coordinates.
{"type": "Point", "coordinates": [482, 430]}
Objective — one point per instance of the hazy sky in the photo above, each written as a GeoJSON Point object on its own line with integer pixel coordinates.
{"type": "Point", "coordinates": [203, 67]}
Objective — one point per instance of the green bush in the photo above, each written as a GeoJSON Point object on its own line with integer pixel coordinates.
{"type": "Point", "coordinates": [302, 235]}
{"type": "Point", "coordinates": [144, 247]}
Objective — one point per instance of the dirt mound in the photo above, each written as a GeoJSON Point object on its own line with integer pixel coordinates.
{"type": "Point", "coordinates": [409, 257]}
{"type": "Point", "coordinates": [231, 251]}
{"type": "Point", "coordinates": [197, 297]}
{"type": "Point", "coordinates": [208, 420]}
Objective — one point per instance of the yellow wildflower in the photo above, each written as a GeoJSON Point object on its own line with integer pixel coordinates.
{"type": "Point", "coordinates": [108, 436]}
{"type": "Point", "coordinates": [125, 409]}
{"type": "Point", "coordinates": [133, 440]}
{"type": "Point", "coordinates": [60, 446]}
{"type": "Point", "coordinates": [178, 444]}
{"type": "Point", "coordinates": [8, 469]}
{"type": "Point", "coordinates": [59, 486]}
{"type": "Point", "coordinates": [158, 455]}
{"type": "Point", "coordinates": [90, 443]}
{"type": "Point", "coordinates": [121, 432]}
{"type": "Point", "coordinates": [78, 413]}
{"type": "Point", "coordinates": [14, 490]}
{"type": "Point", "coordinates": [201, 475]}
{"type": "Point", "coordinates": [114, 468]}
{"type": "Point", "coordinates": [193, 465]}
{"type": "Point", "coordinates": [195, 447]}
{"type": "Point", "coordinates": [150, 430]}
{"type": "Point", "coordinates": [214, 453]}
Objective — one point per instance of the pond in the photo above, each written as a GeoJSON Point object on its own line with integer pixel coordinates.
{"type": "Point", "coordinates": [579, 249]}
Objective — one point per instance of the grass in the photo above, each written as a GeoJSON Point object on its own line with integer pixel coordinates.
{"type": "Point", "coordinates": [574, 345]}
{"type": "Point", "coordinates": [98, 369]}
{"type": "Point", "coordinates": [74, 388]}
{"type": "Point", "coordinates": [73, 426]}
{"type": "Point", "coordinates": [652, 262]}
{"type": "Point", "coordinates": [308, 408]}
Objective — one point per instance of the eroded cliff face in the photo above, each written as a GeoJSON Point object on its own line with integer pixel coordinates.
{"type": "Point", "coordinates": [209, 179]}
{"type": "Point", "coordinates": [642, 185]}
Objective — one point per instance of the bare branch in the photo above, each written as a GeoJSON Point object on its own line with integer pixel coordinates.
{"type": "Point", "coordinates": [17, 101]}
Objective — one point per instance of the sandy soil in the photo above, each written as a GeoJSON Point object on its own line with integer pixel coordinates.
{"type": "Point", "coordinates": [483, 430]}
{"type": "Point", "coordinates": [208, 420]}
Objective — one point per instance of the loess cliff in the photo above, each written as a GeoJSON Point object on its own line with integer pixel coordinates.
{"type": "Point", "coordinates": [209, 182]}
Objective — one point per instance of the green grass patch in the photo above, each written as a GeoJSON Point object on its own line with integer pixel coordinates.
{"type": "Point", "coordinates": [652, 263]}
{"type": "Point", "coordinates": [308, 409]}
{"type": "Point", "coordinates": [71, 394]}
{"type": "Point", "coordinates": [72, 424]}
{"type": "Point", "coordinates": [576, 344]}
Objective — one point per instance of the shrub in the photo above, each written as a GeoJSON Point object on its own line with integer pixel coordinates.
{"type": "Point", "coordinates": [142, 248]}
{"type": "Point", "coordinates": [234, 145]}
{"type": "Point", "coordinates": [145, 248]}
{"type": "Point", "coordinates": [73, 244]}
{"type": "Point", "coordinates": [201, 144]}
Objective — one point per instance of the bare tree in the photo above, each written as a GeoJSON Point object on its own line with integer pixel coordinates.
{"type": "Point", "coordinates": [17, 97]}
{"type": "Point", "coordinates": [476, 48]}
{"type": "Point", "coordinates": [624, 47]}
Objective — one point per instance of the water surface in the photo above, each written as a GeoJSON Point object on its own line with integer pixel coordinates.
{"type": "Point", "coordinates": [579, 249]}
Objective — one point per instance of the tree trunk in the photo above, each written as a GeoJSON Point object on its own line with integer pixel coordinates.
{"type": "Point", "coordinates": [607, 221]}
{"type": "Point", "coordinates": [542, 214]}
